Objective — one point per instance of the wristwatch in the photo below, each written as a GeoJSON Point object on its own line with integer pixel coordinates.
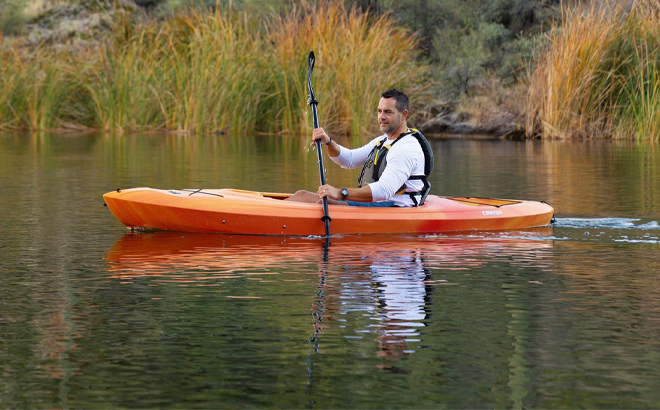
{"type": "Point", "coordinates": [344, 193]}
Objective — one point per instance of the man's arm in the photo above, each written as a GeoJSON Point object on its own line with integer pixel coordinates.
{"type": "Point", "coordinates": [332, 147]}
{"type": "Point", "coordinates": [354, 194]}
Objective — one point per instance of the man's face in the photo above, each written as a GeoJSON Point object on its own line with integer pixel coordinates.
{"type": "Point", "coordinates": [389, 118]}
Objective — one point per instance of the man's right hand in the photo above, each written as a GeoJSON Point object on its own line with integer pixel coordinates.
{"type": "Point", "coordinates": [320, 134]}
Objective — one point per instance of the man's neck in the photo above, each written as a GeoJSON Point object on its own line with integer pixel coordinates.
{"type": "Point", "coordinates": [394, 135]}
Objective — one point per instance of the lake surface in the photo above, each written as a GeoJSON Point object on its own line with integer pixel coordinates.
{"type": "Point", "coordinates": [93, 316]}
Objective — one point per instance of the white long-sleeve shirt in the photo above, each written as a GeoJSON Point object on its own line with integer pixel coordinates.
{"type": "Point", "coordinates": [405, 158]}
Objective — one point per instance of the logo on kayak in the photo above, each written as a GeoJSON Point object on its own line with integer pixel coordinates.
{"type": "Point", "coordinates": [490, 213]}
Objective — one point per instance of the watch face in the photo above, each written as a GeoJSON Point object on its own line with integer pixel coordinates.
{"type": "Point", "coordinates": [344, 192]}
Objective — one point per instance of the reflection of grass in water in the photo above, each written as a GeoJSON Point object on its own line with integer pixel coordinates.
{"type": "Point", "coordinates": [216, 70]}
{"type": "Point", "coordinates": [599, 75]}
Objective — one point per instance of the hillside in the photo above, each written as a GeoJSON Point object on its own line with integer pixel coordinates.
{"type": "Point", "coordinates": [58, 22]}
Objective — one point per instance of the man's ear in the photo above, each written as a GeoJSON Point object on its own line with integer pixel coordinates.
{"type": "Point", "coordinates": [405, 114]}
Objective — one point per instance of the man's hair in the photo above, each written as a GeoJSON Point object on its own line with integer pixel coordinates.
{"type": "Point", "coordinates": [401, 99]}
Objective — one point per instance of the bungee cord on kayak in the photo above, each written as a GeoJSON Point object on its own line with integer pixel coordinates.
{"type": "Point", "coordinates": [199, 191]}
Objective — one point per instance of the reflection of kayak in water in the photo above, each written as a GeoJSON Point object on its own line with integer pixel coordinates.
{"type": "Point", "coordinates": [245, 212]}
{"type": "Point", "coordinates": [161, 253]}
{"type": "Point", "coordinates": [380, 284]}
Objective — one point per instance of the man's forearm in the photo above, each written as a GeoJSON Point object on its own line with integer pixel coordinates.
{"type": "Point", "coordinates": [360, 194]}
{"type": "Point", "coordinates": [333, 149]}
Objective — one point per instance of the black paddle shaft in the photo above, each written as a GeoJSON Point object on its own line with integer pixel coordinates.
{"type": "Point", "coordinates": [311, 100]}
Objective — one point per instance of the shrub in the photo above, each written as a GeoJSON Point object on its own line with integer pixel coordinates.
{"type": "Point", "coordinates": [12, 19]}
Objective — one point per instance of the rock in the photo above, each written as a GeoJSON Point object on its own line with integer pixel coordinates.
{"type": "Point", "coordinates": [440, 108]}
{"type": "Point", "coordinates": [59, 22]}
{"type": "Point", "coordinates": [441, 125]}
{"type": "Point", "coordinates": [485, 118]}
{"type": "Point", "coordinates": [499, 127]}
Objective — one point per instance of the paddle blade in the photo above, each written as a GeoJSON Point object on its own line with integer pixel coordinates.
{"type": "Point", "coordinates": [310, 61]}
{"type": "Point", "coordinates": [311, 98]}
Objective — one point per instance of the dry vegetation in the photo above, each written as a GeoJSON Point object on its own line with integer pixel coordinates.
{"type": "Point", "coordinates": [599, 77]}
{"type": "Point", "coordinates": [212, 71]}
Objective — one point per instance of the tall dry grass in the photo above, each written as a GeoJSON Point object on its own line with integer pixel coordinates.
{"type": "Point", "coordinates": [120, 89]}
{"type": "Point", "coordinates": [213, 77]}
{"type": "Point", "coordinates": [599, 75]}
{"type": "Point", "coordinates": [33, 90]}
{"type": "Point", "coordinates": [216, 70]}
{"type": "Point", "coordinates": [357, 58]}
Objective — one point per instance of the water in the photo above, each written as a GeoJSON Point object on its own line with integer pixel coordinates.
{"type": "Point", "coordinates": [94, 316]}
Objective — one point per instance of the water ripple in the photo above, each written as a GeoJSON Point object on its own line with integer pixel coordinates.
{"type": "Point", "coordinates": [611, 223]}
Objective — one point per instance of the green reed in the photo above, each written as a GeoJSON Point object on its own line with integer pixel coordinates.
{"type": "Point", "coordinates": [122, 90]}
{"type": "Point", "coordinates": [640, 89]}
{"type": "Point", "coordinates": [33, 90]}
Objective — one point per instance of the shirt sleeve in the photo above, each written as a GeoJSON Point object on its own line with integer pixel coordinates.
{"type": "Point", "coordinates": [353, 158]}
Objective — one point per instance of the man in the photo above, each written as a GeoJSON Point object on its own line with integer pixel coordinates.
{"type": "Point", "coordinates": [395, 165]}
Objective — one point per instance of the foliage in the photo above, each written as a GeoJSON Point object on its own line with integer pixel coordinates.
{"type": "Point", "coordinates": [353, 66]}
{"type": "Point", "coordinates": [168, 7]}
{"type": "Point", "coordinates": [32, 90]}
{"type": "Point", "coordinates": [12, 18]}
{"type": "Point", "coordinates": [478, 50]}
{"type": "Point", "coordinates": [217, 70]}
{"type": "Point", "coordinates": [599, 75]}
{"type": "Point", "coordinates": [468, 41]}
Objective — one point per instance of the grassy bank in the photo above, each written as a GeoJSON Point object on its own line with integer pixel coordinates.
{"type": "Point", "coordinates": [600, 75]}
{"type": "Point", "coordinates": [211, 71]}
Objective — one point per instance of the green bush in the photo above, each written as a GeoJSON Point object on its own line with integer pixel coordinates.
{"type": "Point", "coordinates": [12, 19]}
{"type": "Point", "coordinates": [470, 56]}
{"type": "Point", "coordinates": [470, 40]}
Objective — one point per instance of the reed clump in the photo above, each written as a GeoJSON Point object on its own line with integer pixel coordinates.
{"type": "Point", "coordinates": [358, 58]}
{"type": "Point", "coordinates": [599, 76]}
{"type": "Point", "coordinates": [217, 70]}
{"type": "Point", "coordinates": [33, 89]}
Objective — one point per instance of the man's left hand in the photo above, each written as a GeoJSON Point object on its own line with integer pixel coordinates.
{"type": "Point", "coordinates": [328, 191]}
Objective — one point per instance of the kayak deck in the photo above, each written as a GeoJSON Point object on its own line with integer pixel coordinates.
{"type": "Point", "coordinates": [233, 211]}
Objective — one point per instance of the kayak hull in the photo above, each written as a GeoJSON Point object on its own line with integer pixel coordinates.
{"type": "Point", "coordinates": [232, 211]}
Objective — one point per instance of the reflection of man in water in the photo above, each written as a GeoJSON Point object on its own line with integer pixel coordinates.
{"type": "Point", "coordinates": [401, 296]}
{"type": "Point", "coordinates": [397, 284]}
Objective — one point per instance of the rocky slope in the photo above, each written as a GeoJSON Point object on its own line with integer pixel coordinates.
{"type": "Point", "coordinates": [58, 22]}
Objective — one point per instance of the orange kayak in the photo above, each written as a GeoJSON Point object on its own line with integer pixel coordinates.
{"type": "Point", "coordinates": [233, 211]}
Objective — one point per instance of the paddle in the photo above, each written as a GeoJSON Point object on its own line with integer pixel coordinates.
{"type": "Point", "coordinates": [311, 101]}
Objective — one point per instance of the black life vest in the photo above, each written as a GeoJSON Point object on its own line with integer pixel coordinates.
{"type": "Point", "coordinates": [377, 161]}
